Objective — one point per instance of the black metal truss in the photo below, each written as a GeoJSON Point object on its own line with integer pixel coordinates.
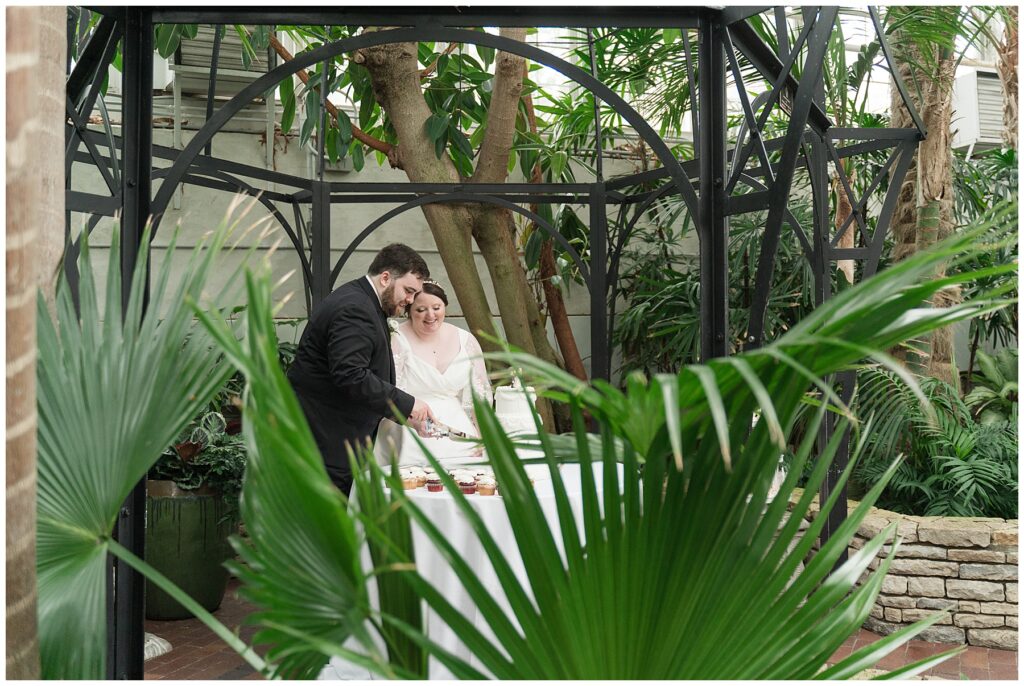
{"type": "Point", "coordinates": [125, 659]}
{"type": "Point", "coordinates": [715, 185]}
{"type": "Point", "coordinates": [436, 16]}
{"type": "Point", "coordinates": [275, 76]}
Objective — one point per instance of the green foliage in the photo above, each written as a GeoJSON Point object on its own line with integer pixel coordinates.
{"type": "Point", "coordinates": [205, 454]}
{"type": "Point", "coordinates": [568, 132]}
{"type": "Point", "coordinates": [168, 36]}
{"type": "Point", "coordinates": [953, 466]}
{"type": "Point", "coordinates": [731, 582]}
{"type": "Point", "coordinates": [935, 32]}
{"type": "Point", "coordinates": [994, 396]}
{"type": "Point", "coordinates": [114, 389]}
{"type": "Point", "coordinates": [981, 183]}
{"type": "Point", "coordinates": [210, 451]}
{"type": "Point", "coordinates": [569, 225]}
{"type": "Point", "coordinates": [659, 329]}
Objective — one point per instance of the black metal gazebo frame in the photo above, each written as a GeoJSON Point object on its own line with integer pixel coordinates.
{"type": "Point", "coordinates": [705, 184]}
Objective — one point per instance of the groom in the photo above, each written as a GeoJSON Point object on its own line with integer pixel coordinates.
{"type": "Point", "coordinates": [344, 374]}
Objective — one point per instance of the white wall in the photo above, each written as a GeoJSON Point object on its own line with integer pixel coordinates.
{"type": "Point", "coordinates": [202, 209]}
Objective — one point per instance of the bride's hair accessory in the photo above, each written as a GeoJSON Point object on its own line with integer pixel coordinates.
{"type": "Point", "coordinates": [435, 289]}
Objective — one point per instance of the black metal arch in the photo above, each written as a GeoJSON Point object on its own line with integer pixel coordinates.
{"type": "Point", "coordinates": [540, 222]}
{"type": "Point", "coordinates": [275, 76]}
{"type": "Point", "coordinates": [261, 197]}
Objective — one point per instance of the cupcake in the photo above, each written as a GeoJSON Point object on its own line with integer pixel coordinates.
{"type": "Point", "coordinates": [467, 486]}
{"type": "Point", "coordinates": [459, 475]}
{"type": "Point", "coordinates": [410, 482]}
{"type": "Point", "coordinates": [434, 485]}
{"type": "Point", "coordinates": [486, 486]}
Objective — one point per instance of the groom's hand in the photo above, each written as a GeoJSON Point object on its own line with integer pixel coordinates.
{"type": "Point", "coordinates": [421, 413]}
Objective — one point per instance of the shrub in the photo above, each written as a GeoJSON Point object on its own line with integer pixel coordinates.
{"type": "Point", "coordinates": [955, 465]}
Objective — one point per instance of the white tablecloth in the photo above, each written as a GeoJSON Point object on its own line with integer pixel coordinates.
{"type": "Point", "coordinates": [445, 514]}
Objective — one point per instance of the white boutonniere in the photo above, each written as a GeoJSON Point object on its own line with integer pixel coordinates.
{"type": "Point", "coordinates": [392, 325]}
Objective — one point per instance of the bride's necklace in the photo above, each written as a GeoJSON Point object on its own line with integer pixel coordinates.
{"type": "Point", "coordinates": [433, 345]}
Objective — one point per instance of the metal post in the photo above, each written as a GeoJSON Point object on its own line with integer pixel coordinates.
{"type": "Point", "coordinates": [211, 89]}
{"type": "Point", "coordinates": [126, 646]}
{"type": "Point", "coordinates": [778, 197]}
{"type": "Point", "coordinates": [321, 139]}
{"type": "Point", "coordinates": [320, 246]}
{"type": "Point", "coordinates": [713, 224]}
{"type": "Point", "coordinates": [817, 162]}
{"type": "Point", "coordinates": [72, 34]}
{"type": "Point", "coordinates": [600, 355]}
{"type": "Point", "coordinates": [271, 103]}
{"type": "Point", "coordinates": [598, 136]}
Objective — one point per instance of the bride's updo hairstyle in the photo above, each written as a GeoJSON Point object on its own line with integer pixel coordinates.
{"type": "Point", "coordinates": [431, 288]}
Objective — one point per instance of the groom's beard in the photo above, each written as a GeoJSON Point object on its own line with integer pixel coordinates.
{"type": "Point", "coordinates": [388, 304]}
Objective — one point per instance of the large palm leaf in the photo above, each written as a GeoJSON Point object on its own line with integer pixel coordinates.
{"type": "Point", "coordinates": [114, 389]}
{"type": "Point", "coordinates": [681, 568]}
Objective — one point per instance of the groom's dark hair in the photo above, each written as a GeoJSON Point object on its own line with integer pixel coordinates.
{"type": "Point", "coordinates": [399, 259]}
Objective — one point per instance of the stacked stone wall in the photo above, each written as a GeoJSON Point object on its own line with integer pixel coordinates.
{"type": "Point", "coordinates": [965, 565]}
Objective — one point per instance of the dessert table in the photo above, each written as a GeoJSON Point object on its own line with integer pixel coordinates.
{"type": "Point", "coordinates": [444, 513]}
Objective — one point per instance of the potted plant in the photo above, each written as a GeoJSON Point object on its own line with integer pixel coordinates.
{"type": "Point", "coordinates": [191, 509]}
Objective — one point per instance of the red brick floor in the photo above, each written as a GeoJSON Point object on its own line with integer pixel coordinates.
{"type": "Point", "coordinates": [198, 654]}
{"type": "Point", "coordinates": [974, 663]}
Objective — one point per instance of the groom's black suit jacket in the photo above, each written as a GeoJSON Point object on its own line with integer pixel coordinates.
{"type": "Point", "coordinates": [344, 375]}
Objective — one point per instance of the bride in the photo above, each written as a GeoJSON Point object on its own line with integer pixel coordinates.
{"type": "Point", "coordinates": [440, 364]}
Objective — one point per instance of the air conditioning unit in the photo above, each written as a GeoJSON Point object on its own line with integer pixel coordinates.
{"type": "Point", "coordinates": [195, 55]}
{"type": "Point", "coordinates": [977, 111]}
{"type": "Point", "coordinates": [342, 166]}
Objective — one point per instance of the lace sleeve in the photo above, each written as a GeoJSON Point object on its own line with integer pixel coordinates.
{"type": "Point", "coordinates": [400, 351]}
{"type": "Point", "coordinates": [479, 383]}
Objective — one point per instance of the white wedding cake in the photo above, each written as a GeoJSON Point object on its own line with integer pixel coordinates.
{"type": "Point", "coordinates": [513, 408]}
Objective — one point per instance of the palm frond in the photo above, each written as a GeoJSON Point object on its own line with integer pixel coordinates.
{"type": "Point", "coordinates": [114, 389]}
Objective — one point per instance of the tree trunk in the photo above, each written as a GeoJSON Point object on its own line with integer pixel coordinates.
{"type": "Point", "coordinates": [904, 218]}
{"type": "Point", "coordinates": [935, 209]}
{"type": "Point", "coordinates": [396, 80]}
{"type": "Point", "coordinates": [844, 208]}
{"type": "Point", "coordinates": [1007, 67]}
{"type": "Point", "coordinates": [494, 232]}
{"type": "Point", "coordinates": [35, 213]}
{"type": "Point", "coordinates": [553, 294]}
{"type": "Point", "coordinates": [493, 227]}
{"type": "Point", "coordinates": [395, 76]}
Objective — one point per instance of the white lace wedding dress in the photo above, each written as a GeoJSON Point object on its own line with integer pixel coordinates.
{"type": "Point", "coordinates": [450, 396]}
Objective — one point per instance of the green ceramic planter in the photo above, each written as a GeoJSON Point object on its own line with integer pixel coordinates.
{"type": "Point", "coordinates": [186, 540]}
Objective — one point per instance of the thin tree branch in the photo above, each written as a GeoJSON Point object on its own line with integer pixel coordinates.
{"type": "Point", "coordinates": [357, 133]}
{"type": "Point", "coordinates": [427, 71]}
